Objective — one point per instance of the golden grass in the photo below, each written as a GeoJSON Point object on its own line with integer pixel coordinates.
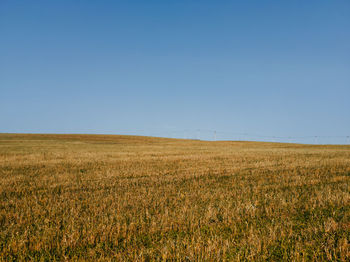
{"type": "Point", "coordinates": [128, 198]}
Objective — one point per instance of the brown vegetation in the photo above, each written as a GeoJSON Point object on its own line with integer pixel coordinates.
{"type": "Point", "coordinates": [71, 197]}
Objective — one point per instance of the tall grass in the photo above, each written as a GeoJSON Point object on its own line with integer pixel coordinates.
{"type": "Point", "coordinates": [127, 198]}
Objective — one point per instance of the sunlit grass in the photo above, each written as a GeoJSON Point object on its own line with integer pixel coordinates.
{"type": "Point", "coordinates": [140, 198]}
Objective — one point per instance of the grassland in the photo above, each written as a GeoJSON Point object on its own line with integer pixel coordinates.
{"type": "Point", "coordinates": [127, 198]}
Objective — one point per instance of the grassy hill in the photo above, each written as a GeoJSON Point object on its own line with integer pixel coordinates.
{"type": "Point", "coordinates": [102, 197]}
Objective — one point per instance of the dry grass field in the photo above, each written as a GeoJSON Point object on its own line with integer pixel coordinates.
{"type": "Point", "coordinates": [129, 198]}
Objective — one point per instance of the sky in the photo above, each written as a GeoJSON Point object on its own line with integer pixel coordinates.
{"type": "Point", "coordinates": [256, 70]}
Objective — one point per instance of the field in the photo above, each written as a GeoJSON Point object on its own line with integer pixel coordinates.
{"type": "Point", "coordinates": [129, 198]}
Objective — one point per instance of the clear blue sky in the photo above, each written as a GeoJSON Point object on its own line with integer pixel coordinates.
{"type": "Point", "coordinates": [278, 68]}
